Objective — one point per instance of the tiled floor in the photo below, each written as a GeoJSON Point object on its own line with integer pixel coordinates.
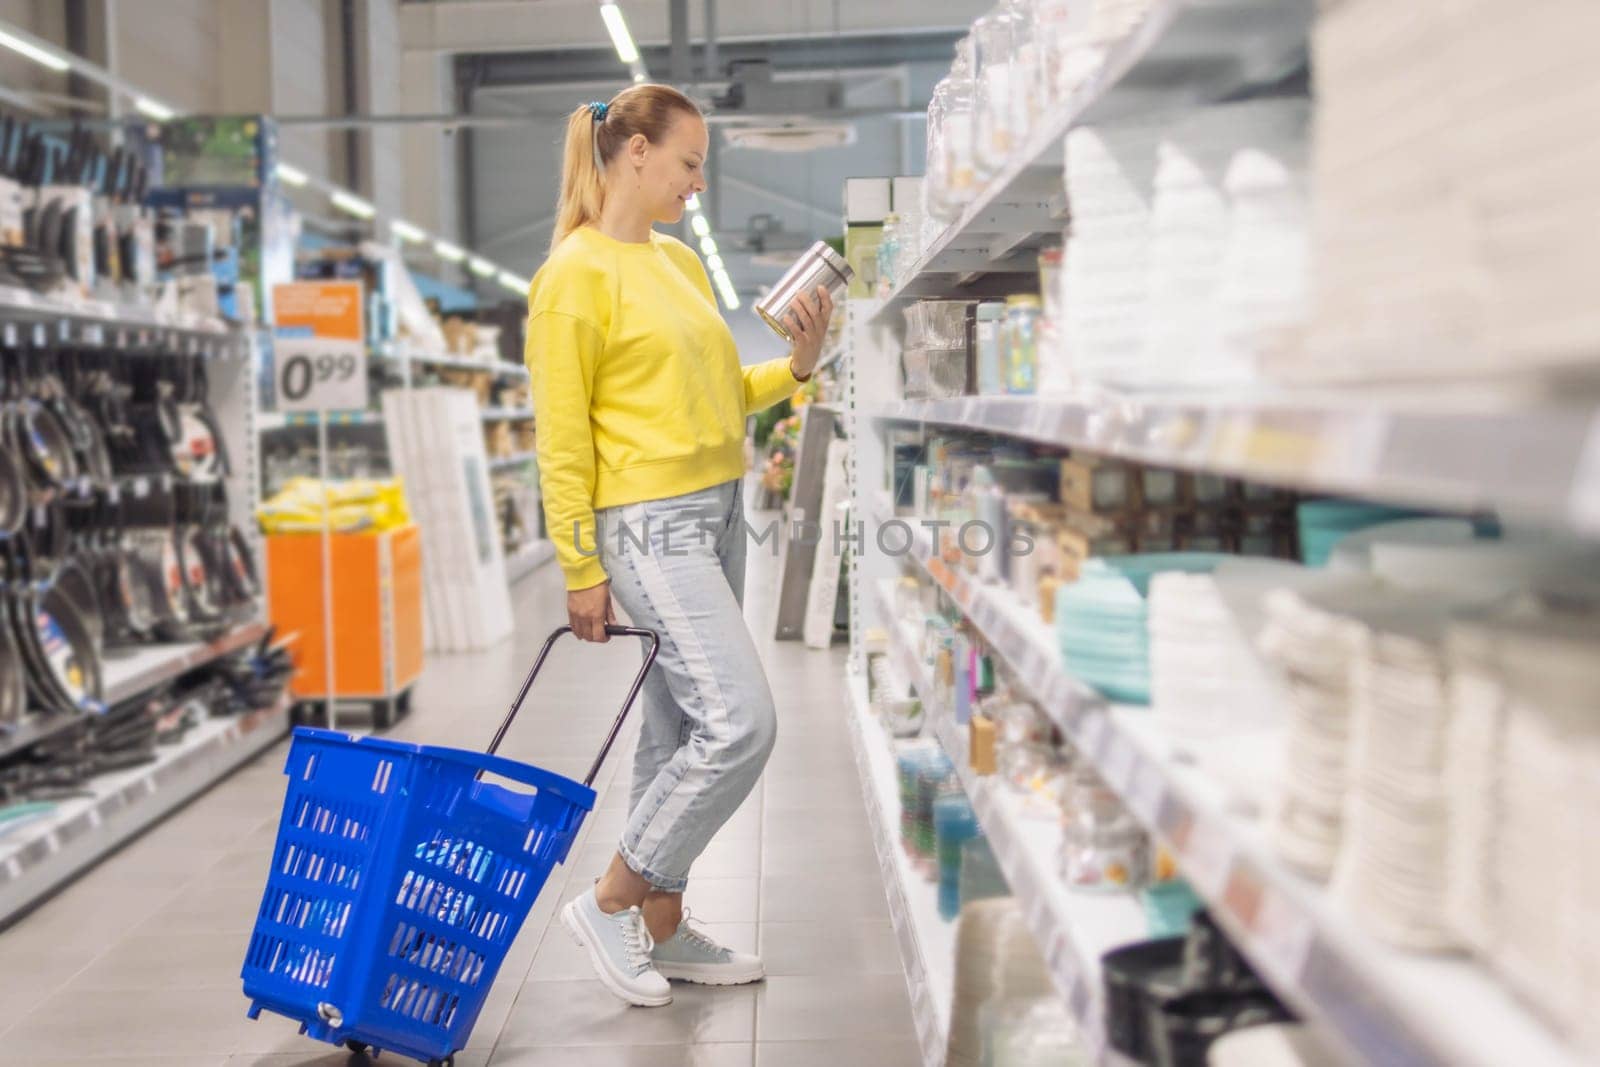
{"type": "Point", "coordinates": [136, 964]}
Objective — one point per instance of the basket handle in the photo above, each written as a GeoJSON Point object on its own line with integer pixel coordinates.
{"type": "Point", "coordinates": [612, 630]}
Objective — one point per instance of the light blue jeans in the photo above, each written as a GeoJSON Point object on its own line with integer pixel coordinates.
{"type": "Point", "coordinates": [677, 567]}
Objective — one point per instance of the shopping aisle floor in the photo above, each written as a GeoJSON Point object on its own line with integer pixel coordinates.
{"type": "Point", "coordinates": [137, 963]}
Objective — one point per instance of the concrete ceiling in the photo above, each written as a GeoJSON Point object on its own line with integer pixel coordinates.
{"type": "Point", "coordinates": [544, 56]}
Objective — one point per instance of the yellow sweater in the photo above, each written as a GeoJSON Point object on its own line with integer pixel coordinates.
{"type": "Point", "coordinates": [637, 389]}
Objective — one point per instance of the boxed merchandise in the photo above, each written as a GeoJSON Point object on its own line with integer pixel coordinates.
{"type": "Point", "coordinates": [867, 201]}
{"type": "Point", "coordinates": [861, 241]}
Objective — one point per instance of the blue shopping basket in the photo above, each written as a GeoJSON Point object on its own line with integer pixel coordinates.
{"type": "Point", "coordinates": [399, 880]}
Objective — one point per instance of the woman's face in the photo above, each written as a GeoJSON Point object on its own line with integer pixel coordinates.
{"type": "Point", "coordinates": [673, 170]}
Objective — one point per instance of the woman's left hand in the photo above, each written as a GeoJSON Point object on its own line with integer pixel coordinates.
{"type": "Point", "coordinates": [808, 322]}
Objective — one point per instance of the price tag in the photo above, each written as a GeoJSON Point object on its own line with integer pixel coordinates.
{"type": "Point", "coordinates": [1146, 791]}
{"type": "Point", "coordinates": [1091, 733]}
{"type": "Point", "coordinates": [1284, 934]}
{"type": "Point", "coordinates": [64, 330]}
{"type": "Point", "coordinates": [141, 487]}
{"type": "Point", "coordinates": [1206, 856]}
{"type": "Point", "coordinates": [41, 336]}
{"type": "Point", "coordinates": [1118, 765]}
{"type": "Point", "coordinates": [316, 374]}
{"type": "Point", "coordinates": [11, 335]}
{"type": "Point", "coordinates": [113, 494]}
{"type": "Point", "coordinates": [94, 334]}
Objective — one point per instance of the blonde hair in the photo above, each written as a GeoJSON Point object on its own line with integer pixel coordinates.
{"type": "Point", "coordinates": [595, 134]}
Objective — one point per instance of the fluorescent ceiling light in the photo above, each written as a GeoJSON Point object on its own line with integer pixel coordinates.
{"type": "Point", "coordinates": [639, 77]}
{"type": "Point", "coordinates": [730, 299]}
{"type": "Point", "coordinates": [701, 227]}
{"type": "Point", "coordinates": [708, 246]}
{"type": "Point", "coordinates": [448, 251]}
{"type": "Point", "coordinates": [154, 108]}
{"type": "Point", "coordinates": [620, 37]}
{"type": "Point", "coordinates": [715, 263]}
{"type": "Point", "coordinates": [292, 175]}
{"type": "Point", "coordinates": [407, 232]}
{"type": "Point", "coordinates": [512, 282]}
{"type": "Point", "coordinates": [693, 203]}
{"type": "Point", "coordinates": [352, 204]}
{"type": "Point", "coordinates": [481, 267]}
{"type": "Point", "coordinates": [34, 52]}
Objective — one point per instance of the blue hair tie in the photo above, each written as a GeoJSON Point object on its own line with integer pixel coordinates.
{"type": "Point", "coordinates": [598, 109]}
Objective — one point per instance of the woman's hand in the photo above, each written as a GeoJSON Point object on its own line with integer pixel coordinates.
{"type": "Point", "coordinates": [589, 611]}
{"type": "Point", "coordinates": [808, 323]}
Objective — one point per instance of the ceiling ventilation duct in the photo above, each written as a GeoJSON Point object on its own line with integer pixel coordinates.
{"type": "Point", "coordinates": [753, 90]}
{"type": "Point", "coordinates": [799, 137]}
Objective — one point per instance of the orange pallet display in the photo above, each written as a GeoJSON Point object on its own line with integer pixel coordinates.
{"type": "Point", "coordinates": [377, 612]}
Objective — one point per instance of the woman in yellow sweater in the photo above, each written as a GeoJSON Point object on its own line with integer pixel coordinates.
{"type": "Point", "coordinates": [641, 405]}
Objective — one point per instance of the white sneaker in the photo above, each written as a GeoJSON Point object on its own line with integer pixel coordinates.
{"type": "Point", "coordinates": [690, 956]}
{"type": "Point", "coordinates": [619, 948]}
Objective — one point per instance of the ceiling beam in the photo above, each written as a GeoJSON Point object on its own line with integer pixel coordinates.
{"type": "Point", "coordinates": [516, 25]}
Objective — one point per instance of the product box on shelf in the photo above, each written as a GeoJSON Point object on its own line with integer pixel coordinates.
{"type": "Point", "coordinates": [867, 200]}
{"type": "Point", "coordinates": [861, 241]}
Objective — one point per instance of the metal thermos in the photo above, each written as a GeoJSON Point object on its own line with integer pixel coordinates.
{"type": "Point", "coordinates": [820, 265]}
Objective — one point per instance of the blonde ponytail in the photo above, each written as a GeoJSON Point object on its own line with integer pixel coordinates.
{"type": "Point", "coordinates": [595, 133]}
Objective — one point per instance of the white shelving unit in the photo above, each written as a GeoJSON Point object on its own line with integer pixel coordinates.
{"type": "Point", "coordinates": [1446, 458]}
{"type": "Point", "coordinates": [406, 354]}
{"type": "Point", "coordinates": [277, 420]}
{"type": "Point", "coordinates": [927, 945]}
{"type": "Point", "coordinates": [1073, 930]}
{"type": "Point", "coordinates": [123, 326]}
{"type": "Point", "coordinates": [140, 668]}
{"type": "Point", "coordinates": [36, 858]}
{"type": "Point", "coordinates": [500, 463]}
{"type": "Point", "coordinates": [506, 414]}
{"type": "Point", "coordinates": [1381, 1005]}
{"type": "Point", "coordinates": [1185, 51]}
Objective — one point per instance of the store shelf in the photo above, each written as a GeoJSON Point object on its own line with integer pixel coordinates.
{"type": "Point", "coordinates": [277, 420]}
{"type": "Point", "coordinates": [927, 942]}
{"type": "Point", "coordinates": [1381, 1005]}
{"type": "Point", "coordinates": [132, 672]}
{"type": "Point", "coordinates": [1184, 52]}
{"type": "Point", "coordinates": [499, 368]}
{"type": "Point", "coordinates": [38, 857]}
{"type": "Point", "coordinates": [505, 414]}
{"type": "Point", "coordinates": [1072, 929]}
{"type": "Point", "coordinates": [1447, 458]}
{"type": "Point", "coordinates": [128, 328]}
{"type": "Point", "coordinates": [529, 558]}
{"type": "Point", "coordinates": [500, 463]}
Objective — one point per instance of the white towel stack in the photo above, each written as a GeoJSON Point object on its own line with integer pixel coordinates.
{"type": "Point", "coordinates": [1457, 217]}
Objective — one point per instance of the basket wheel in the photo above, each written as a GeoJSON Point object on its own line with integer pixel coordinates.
{"type": "Point", "coordinates": [448, 1061]}
{"type": "Point", "coordinates": [383, 714]}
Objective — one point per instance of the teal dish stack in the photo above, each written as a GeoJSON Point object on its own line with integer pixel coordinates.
{"type": "Point", "coordinates": [1324, 523]}
{"type": "Point", "coordinates": [1102, 620]}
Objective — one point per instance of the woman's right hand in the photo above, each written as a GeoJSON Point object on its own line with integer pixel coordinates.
{"type": "Point", "coordinates": [589, 611]}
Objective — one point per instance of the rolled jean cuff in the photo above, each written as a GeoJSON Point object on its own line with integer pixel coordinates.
{"type": "Point", "coordinates": [659, 882]}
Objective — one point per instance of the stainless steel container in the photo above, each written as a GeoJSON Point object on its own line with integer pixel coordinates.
{"type": "Point", "coordinates": [820, 265]}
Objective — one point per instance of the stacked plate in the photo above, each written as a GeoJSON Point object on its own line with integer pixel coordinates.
{"type": "Point", "coordinates": [1192, 223]}
{"type": "Point", "coordinates": [1450, 249]}
{"type": "Point", "coordinates": [1264, 292]}
{"type": "Point", "coordinates": [1102, 622]}
{"type": "Point", "coordinates": [1324, 523]}
{"type": "Point", "coordinates": [996, 959]}
{"type": "Point", "coordinates": [1392, 871]}
{"type": "Point", "coordinates": [1110, 171]}
{"type": "Point", "coordinates": [1521, 854]}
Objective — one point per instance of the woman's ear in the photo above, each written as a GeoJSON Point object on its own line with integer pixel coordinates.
{"type": "Point", "coordinates": [638, 149]}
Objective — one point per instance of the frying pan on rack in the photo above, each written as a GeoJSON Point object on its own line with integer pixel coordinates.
{"type": "Point", "coordinates": [13, 673]}
{"type": "Point", "coordinates": [199, 583]}
{"type": "Point", "coordinates": [45, 445]}
{"type": "Point", "coordinates": [75, 580]}
{"type": "Point", "coordinates": [64, 668]}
